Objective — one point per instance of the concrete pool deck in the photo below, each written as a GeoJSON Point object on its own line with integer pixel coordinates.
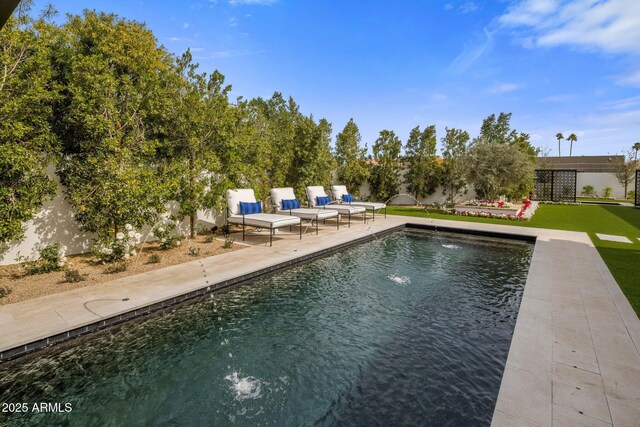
{"type": "Point", "coordinates": [574, 356]}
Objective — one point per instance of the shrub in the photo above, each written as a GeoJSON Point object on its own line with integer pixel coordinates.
{"type": "Point", "coordinates": [167, 234]}
{"type": "Point", "coordinates": [117, 267]}
{"type": "Point", "coordinates": [587, 191]}
{"type": "Point", "coordinates": [209, 238]}
{"type": "Point", "coordinates": [631, 195]}
{"type": "Point", "coordinates": [194, 251]}
{"type": "Point", "coordinates": [118, 249]}
{"type": "Point", "coordinates": [606, 192]}
{"type": "Point", "coordinates": [4, 291]}
{"type": "Point", "coordinates": [73, 276]}
{"type": "Point", "coordinates": [52, 258]}
{"type": "Point", "coordinates": [154, 259]}
{"type": "Point", "coordinates": [228, 243]}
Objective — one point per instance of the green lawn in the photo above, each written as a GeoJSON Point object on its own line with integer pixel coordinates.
{"type": "Point", "coordinates": [623, 259]}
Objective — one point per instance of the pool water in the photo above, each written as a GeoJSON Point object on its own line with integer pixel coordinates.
{"type": "Point", "coordinates": [410, 328]}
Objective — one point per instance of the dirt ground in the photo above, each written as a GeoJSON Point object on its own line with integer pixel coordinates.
{"type": "Point", "coordinates": [23, 287]}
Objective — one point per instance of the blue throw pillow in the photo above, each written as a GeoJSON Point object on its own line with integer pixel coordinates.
{"type": "Point", "coordinates": [247, 208]}
{"type": "Point", "coordinates": [289, 204]}
{"type": "Point", "coordinates": [321, 201]}
{"type": "Point", "coordinates": [347, 198]}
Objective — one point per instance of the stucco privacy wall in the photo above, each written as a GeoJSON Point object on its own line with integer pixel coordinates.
{"type": "Point", "coordinates": [55, 223]}
{"type": "Point", "coordinates": [600, 180]}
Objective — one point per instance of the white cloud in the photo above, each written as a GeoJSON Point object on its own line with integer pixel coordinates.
{"type": "Point", "coordinates": [501, 88]}
{"type": "Point", "coordinates": [252, 2]}
{"type": "Point", "coordinates": [233, 22]}
{"type": "Point", "coordinates": [623, 104]}
{"type": "Point", "coordinates": [448, 6]}
{"type": "Point", "coordinates": [558, 99]}
{"type": "Point", "coordinates": [186, 25]}
{"type": "Point", "coordinates": [223, 54]}
{"type": "Point", "coordinates": [631, 79]}
{"type": "Point", "coordinates": [468, 7]}
{"type": "Point", "coordinates": [179, 39]}
{"type": "Point", "coordinates": [472, 53]}
{"type": "Point", "coordinates": [611, 26]}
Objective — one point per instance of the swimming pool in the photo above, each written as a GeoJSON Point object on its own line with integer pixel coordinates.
{"type": "Point", "coordinates": [413, 327]}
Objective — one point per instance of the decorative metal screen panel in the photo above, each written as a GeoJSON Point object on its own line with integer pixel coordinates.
{"type": "Point", "coordinates": [637, 201]}
{"type": "Point", "coordinates": [555, 185]}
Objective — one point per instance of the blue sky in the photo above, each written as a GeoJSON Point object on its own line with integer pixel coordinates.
{"type": "Point", "coordinates": [558, 66]}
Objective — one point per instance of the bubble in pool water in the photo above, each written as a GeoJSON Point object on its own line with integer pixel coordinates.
{"type": "Point", "coordinates": [244, 387]}
{"type": "Point", "coordinates": [450, 246]}
{"type": "Point", "coordinates": [400, 280]}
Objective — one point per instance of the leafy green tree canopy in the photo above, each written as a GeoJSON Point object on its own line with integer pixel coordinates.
{"type": "Point", "coordinates": [385, 173]}
{"type": "Point", "coordinates": [197, 123]}
{"type": "Point", "coordinates": [495, 169]}
{"type": "Point", "coordinates": [498, 130]}
{"type": "Point", "coordinates": [113, 73]}
{"type": "Point", "coordinates": [351, 159]}
{"type": "Point", "coordinates": [27, 94]}
{"type": "Point", "coordinates": [423, 171]}
{"type": "Point", "coordinates": [454, 156]}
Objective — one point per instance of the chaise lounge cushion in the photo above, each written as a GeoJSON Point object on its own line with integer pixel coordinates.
{"type": "Point", "coordinates": [314, 191]}
{"type": "Point", "coordinates": [340, 190]}
{"type": "Point", "coordinates": [235, 197]}
{"type": "Point", "coordinates": [280, 195]}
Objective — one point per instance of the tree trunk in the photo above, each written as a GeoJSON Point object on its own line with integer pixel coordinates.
{"type": "Point", "coordinates": [115, 228]}
{"type": "Point", "coordinates": [192, 224]}
{"type": "Point", "coordinates": [559, 154]}
{"type": "Point", "coordinates": [570, 148]}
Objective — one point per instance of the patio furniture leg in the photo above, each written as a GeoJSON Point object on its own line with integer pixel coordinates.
{"type": "Point", "coordinates": [270, 236]}
{"type": "Point", "coordinates": [300, 230]}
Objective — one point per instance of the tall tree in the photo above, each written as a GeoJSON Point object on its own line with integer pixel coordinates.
{"type": "Point", "coordinates": [351, 158]}
{"type": "Point", "coordinates": [112, 71]}
{"type": "Point", "coordinates": [559, 137]}
{"type": "Point", "coordinates": [454, 155]}
{"type": "Point", "coordinates": [197, 121]}
{"type": "Point", "coordinates": [27, 94]}
{"type": "Point", "coordinates": [625, 170]}
{"type": "Point", "coordinates": [423, 173]}
{"type": "Point", "coordinates": [571, 138]}
{"type": "Point", "coordinates": [313, 161]}
{"type": "Point", "coordinates": [636, 148]}
{"type": "Point", "coordinates": [501, 160]}
{"type": "Point", "coordinates": [498, 130]}
{"type": "Point", "coordinates": [385, 173]}
{"type": "Point", "coordinates": [496, 169]}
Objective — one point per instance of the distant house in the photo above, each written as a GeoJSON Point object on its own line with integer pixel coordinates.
{"type": "Point", "coordinates": [597, 171]}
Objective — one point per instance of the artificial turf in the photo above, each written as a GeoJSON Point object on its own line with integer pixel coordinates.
{"type": "Point", "coordinates": [623, 259]}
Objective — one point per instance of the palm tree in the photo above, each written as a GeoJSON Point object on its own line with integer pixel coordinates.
{"type": "Point", "coordinates": [559, 137]}
{"type": "Point", "coordinates": [571, 138]}
{"type": "Point", "coordinates": [636, 148]}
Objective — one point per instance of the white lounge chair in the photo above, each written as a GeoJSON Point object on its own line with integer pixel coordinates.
{"type": "Point", "coordinates": [340, 191]}
{"type": "Point", "coordinates": [285, 203]}
{"type": "Point", "coordinates": [236, 215]}
{"type": "Point", "coordinates": [318, 199]}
